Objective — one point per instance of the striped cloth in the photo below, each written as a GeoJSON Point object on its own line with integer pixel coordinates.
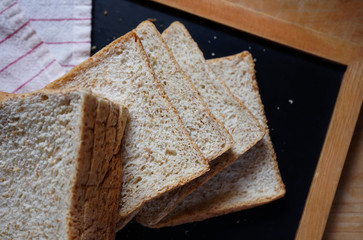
{"type": "Point", "coordinates": [40, 40]}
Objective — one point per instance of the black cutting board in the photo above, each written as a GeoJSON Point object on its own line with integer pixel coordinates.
{"type": "Point", "coordinates": [298, 90]}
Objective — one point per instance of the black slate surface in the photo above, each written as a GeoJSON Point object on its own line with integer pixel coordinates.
{"type": "Point", "coordinates": [298, 90]}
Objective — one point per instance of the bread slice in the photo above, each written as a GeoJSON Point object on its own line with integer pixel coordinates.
{"type": "Point", "coordinates": [230, 111]}
{"type": "Point", "coordinates": [158, 154]}
{"type": "Point", "coordinates": [253, 179]}
{"type": "Point", "coordinates": [211, 137]}
{"type": "Point", "coordinates": [61, 171]}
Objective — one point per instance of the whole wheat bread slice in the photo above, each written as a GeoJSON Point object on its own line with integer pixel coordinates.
{"type": "Point", "coordinates": [158, 154]}
{"type": "Point", "coordinates": [61, 167]}
{"type": "Point", "coordinates": [253, 179]}
{"type": "Point", "coordinates": [229, 110]}
{"type": "Point", "coordinates": [211, 137]}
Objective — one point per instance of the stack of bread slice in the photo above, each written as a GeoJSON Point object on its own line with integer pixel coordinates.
{"type": "Point", "coordinates": [60, 165]}
{"type": "Point", "coordinates": [195, 145]}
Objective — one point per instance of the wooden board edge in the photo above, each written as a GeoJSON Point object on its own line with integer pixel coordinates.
{"type": "Point", "coordinates": [333, 155]}
{"type": "Point", "coordinates": [274, 29]}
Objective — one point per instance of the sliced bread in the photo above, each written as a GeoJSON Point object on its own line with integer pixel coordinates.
{"type": "Point", "coordinates": [158, 154]}
{"type": "Point", "coordinates": [229, 110]}
{"type": "Point", "coordinates": [60, 165]}
{"type": "Point", "coordinates": [253, 179]}
{"type": "Point", "coordinates": [211, 137]}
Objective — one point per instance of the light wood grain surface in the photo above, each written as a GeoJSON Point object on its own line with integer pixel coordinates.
{"type": "Point", "coordinates": [332, 157]}
{"type": "Point", "coordinates": [336, 18]}
{"type": "Point", "coordinates": [332, 29]}
{"type": "Point", "coordinates": [325, 35]}
{"type": "Point", "coordinates": [346, 216]}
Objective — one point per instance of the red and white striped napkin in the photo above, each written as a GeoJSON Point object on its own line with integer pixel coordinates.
{"type": "Point", "coordinates": [40, 40]}
{"type": "Point", "coordinates": [65, 26]}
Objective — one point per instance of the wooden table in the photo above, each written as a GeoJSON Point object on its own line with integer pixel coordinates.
{"type": "Point", "coordinates": [346, 216]}
{"type": "Point", "coordinates": [332, 29]}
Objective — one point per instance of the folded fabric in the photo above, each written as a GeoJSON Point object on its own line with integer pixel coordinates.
{"type": "Point", "coordinates": [25, 61]}
{"type": "Point", "coordinates": [65, 26]}
{"type": "Point", "coordinates": [40, 40]}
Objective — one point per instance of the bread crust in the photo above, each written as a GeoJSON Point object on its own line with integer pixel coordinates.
{"type": "Point", "coordinates": [4, 96]}
{"type": "Point", "coordinates": [97, 183]}
{"type": "Point", "coordinates": [103, 185]}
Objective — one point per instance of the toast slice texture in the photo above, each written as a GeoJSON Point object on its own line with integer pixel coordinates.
{"type": "Point", "coordinates": [52, 184]}
{"type": "Point", "coordinates": [211, 137]}
{"type": "Point", "coordinates": [250, 181]}
{"type": "Point", "coordinates": [243, 126]}
{"type": "Point", "coordinates": [158, 154]}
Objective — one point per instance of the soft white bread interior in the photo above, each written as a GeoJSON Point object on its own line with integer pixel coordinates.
{"type": "Point", "coordinates": [229, 110]}
{"type": "Point", "coordinates": [60, 165]}
{"type": "Point", "coordinates": [158, 154]}
{"type": "Point", "coordinates": [254, 178]}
